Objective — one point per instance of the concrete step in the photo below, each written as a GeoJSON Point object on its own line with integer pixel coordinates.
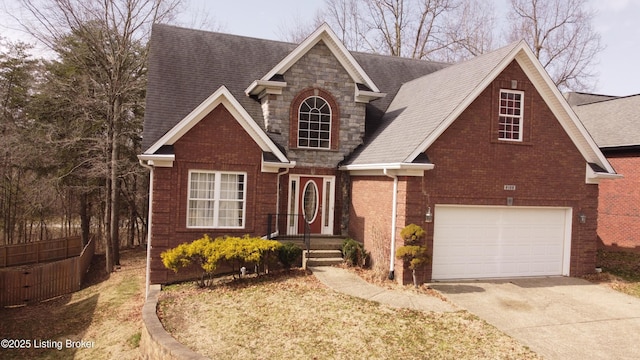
{"type": "Point", "coordinates": [324, 261]}
{"type": "Point", "coordinates": [320, 254]}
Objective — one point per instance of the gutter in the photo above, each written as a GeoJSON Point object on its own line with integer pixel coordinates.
{"type": "Point", "coordinates": [149, 224]}
{"type": "Point", "coordinates": [394, 211]}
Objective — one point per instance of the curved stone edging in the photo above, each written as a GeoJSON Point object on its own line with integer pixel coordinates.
{"type": "Point", "coordinates": [155, 341]}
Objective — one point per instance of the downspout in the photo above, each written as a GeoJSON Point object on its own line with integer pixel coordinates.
{"type": "Point", "coordinates": [286, 171]}
{"type": "Point", "coordinates": [149, 222]}
{"type": "Point", "coordinates": [394, 207]}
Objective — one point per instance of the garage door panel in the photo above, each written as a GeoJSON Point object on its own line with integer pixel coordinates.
{"type": "Point", "coordinates": [494, 242]}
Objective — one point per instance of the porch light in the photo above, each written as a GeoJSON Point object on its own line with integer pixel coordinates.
{"type": "Point", "coordinates": [428, 217]}
{"type": "Point", "coordinates": [582, 217]}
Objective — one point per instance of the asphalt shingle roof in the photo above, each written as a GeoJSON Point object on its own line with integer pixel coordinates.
{"type": "Point", "coordinates": [578, 98]}
{"type": "Point", "coordinates": [612, 123]}
{"type": "Point", "coordinates": [425, 104]}
{"type": "Point", "coordinates": [186, 66]}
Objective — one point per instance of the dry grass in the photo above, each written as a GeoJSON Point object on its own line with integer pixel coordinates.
{"type": "Point", "coordinates": [621, 271]}
{"type": "Point", "coordinates": [295, 316]}
{"type": "Point", "coordinates": [106, 312]}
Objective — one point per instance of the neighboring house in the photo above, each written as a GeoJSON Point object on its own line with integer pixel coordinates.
{"type": "Point", "coordinates": [614, 123]}
{"type": "Point", "coordinates": [487, 150]}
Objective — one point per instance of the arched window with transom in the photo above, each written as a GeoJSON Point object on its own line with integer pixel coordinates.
{"type": "Point", "coordinates": [314, 123]}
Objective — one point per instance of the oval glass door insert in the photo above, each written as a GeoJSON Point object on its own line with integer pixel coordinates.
{"type": "Point", "coordinates": [310, 201]}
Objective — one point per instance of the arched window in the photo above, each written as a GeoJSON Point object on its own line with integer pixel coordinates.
{"type": "Point", "coordinates": [314, 123]}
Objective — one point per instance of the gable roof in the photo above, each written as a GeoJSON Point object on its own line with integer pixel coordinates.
{"type": "Point", "coordinates": [579, 98]}
{"type": "Point", "coordinates": [186, 66]}
{"type": "Point", "coordinates": [613, 123]}
{"type": "Point", "coordinates": [433, 102]}
{"type": "Point", "coordinates": [223, 97]}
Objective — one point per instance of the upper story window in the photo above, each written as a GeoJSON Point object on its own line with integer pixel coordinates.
{"type": "Point", "coordinates": [216, 199]}
{"type": "Point", "coordinates": [314, 123]}
{"type": "Point", "coordinates": [510, 115]}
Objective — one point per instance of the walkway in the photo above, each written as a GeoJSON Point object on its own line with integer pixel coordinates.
{"type": "Point", "coordinates": [346, 282]}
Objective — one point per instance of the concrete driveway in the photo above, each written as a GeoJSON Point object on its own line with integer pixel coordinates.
{"type": "Point", "coordinates": [557, 317]}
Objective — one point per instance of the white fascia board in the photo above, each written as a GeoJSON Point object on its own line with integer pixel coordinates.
{"type": "Point", "coordinates": [470, 98]}
{"type": "Point", "coordinates": [274, 167]}
{"type": "Point", "coordinates": [403, 169]}
{"type": "Point", "coordinates": [593, 177]}
{"type": "Point", "coordinates": [338, 49]}
{"type": "Point", "coordinates": [264, 87]}
{"type": "Point", "coordinates": [364, 96]}
{"type": "Point", "coordinates": [224, 97]}
{"type": "Point", "coordinates": [158, 160]}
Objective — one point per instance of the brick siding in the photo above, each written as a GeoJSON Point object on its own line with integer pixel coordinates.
{"type": "Point", "coordinates": [218, 143]}
{"type": "Point", "coordinates": [472, 166]}
{"type": "Point", "coordinates": [619, 204]}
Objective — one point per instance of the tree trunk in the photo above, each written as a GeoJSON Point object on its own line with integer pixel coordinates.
{"type": "Point", "coordinates": [85, 220]}
{"type": "Point", "coordinates": [107, 228]}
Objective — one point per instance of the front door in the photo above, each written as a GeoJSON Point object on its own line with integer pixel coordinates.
{"type": "Point", "coordinates": [311, 198]}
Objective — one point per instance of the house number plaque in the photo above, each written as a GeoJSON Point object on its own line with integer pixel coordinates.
{"type": "Point", "coordinates": [510, 187]}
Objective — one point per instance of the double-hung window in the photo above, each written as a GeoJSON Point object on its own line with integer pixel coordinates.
{"type": "Point", "coordinates": [510, 115]}
{"type": "Point", "coordinates": [216, 199]}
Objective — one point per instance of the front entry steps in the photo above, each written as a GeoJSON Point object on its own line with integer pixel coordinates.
{"type": "Point", "coordinates": [324, 250]}
{"type": "Point", "coordinates": [321, 258]}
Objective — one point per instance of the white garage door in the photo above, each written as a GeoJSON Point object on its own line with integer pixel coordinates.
{"type": "Point", "coordinates": [472, 242]}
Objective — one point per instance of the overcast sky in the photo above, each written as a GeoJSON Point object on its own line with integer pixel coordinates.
{"type": "Point", "coordinates": [617, 23]}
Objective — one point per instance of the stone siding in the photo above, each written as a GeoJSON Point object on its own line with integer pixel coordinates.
{"type": "Point", "coordinates": [317, 70]}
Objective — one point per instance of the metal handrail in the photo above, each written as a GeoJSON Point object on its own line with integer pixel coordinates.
{"type": "Point", "coordinates": [306, 235]}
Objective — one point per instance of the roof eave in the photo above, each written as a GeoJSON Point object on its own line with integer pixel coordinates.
{"type": "Point", "coordinates": [260, 88]}
{"type": "Point", "coordinates": [593, 177]}
{"type": "Point", "coordinates": [398, 168]}
{"type": "Point", "coordinates": [155, 160]}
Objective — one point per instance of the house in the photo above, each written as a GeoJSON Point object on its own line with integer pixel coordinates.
{"type": "Point", "coordinates": [614, 123]}
{"type": "Point", "coordinates": [486, 155]}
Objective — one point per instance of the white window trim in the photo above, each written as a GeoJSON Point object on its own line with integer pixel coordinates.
{"type": "Point", "coordinates": [216, 199]}
{"type": "Point", "coordinates": [309, 139]}
{"type": "Point", "coordinates": [520, 117]}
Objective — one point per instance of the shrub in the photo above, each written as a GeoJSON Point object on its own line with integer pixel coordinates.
{"type": "Point", "coordinates": [412, 233]}
{"type": "Point", "coordinates": [354, 253]}
{"type": "Point", "coordinates": [288, 254]}
{"type": "Point", "coordinates": [416, 255]}
{"type": "Point", "coordinates": [412, 252]}
{"type": "Point", "coordinates": [208, 253]}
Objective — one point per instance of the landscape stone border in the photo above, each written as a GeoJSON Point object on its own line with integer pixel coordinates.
{"type": "Point", "coordinates": [155, 341]}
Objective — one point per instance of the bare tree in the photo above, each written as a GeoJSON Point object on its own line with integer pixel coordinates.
{"type": "Point", "coordinates": [422, 29]}
{"type": "Point", "coordinates": [562, 37]}
{"type": "Point", "coordinates": [295, 29]}
{"type": "Point", "coordinates": [471, 30]}
{"type": "Point", "coordinates": [113, 32]}
{"type": "Point", "coordinates": [17, 70]}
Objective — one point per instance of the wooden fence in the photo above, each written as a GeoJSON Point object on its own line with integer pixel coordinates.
{"type": "Point", "coordinates": [33, 283]}
{"type": "Point", "coordinates": [40, 251]}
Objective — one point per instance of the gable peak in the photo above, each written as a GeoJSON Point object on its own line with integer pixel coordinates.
{"type": "Point", "coordinates": [325, 34]}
